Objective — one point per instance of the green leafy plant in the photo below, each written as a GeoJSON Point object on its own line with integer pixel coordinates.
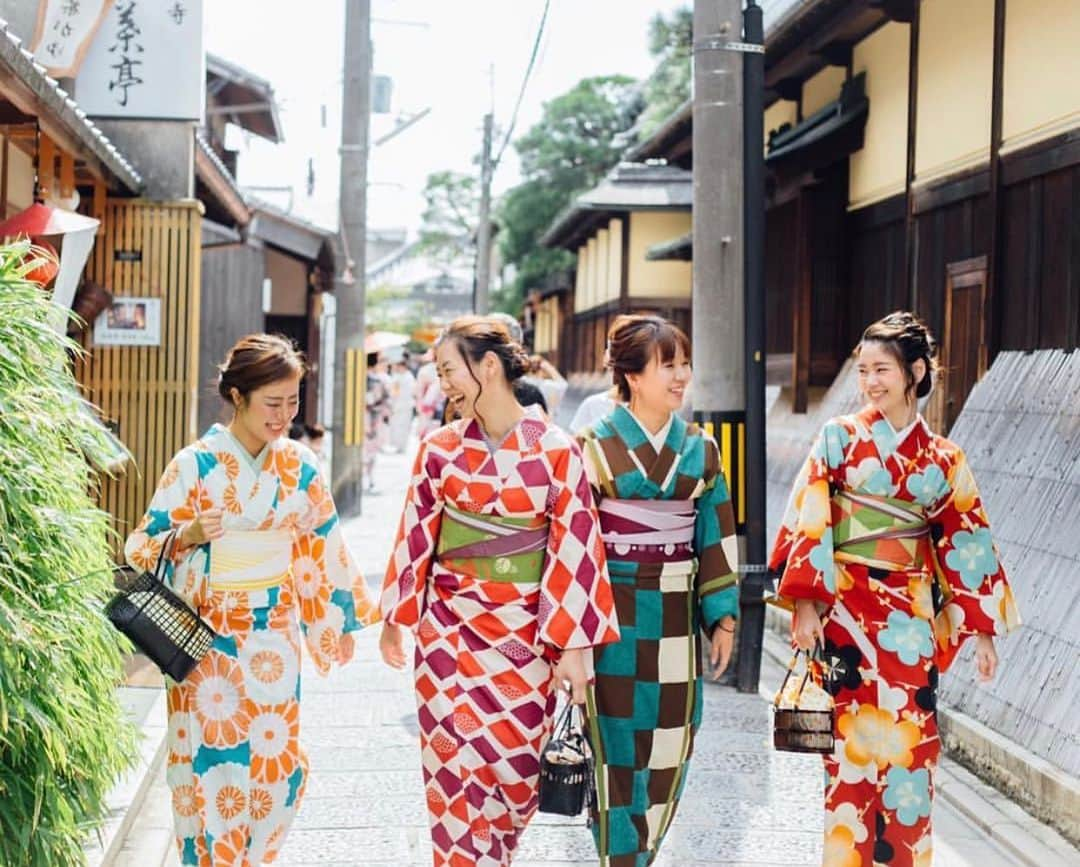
{"type": "Point", "coordinates": [63, 738]}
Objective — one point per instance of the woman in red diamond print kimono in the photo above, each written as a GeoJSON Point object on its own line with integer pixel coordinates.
{"type": "Point", "coordinates": [886, 542]}
{"type": "Point", "coordinates": [499, 570]}
{"type": "Point", "coordinates": [258, 547]}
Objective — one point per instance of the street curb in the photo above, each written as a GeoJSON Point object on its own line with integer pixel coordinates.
{"type": "Point", "coordinates": [1045, 791]}
{"type": "Point", "coordinates": [1008, 825]}
{"type": "Point", "coordinates": [130, 790]}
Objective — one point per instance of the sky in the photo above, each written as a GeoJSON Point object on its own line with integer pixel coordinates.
{"type": "Point", "coordinates": [457, 57]}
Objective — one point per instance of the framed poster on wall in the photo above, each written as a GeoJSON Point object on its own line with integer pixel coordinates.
{"type": "Point", "coordinates": [129, 322]}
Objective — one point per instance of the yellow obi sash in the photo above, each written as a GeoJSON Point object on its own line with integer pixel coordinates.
{"type": "Point", "coordinates": [880, 532]}
{"type": "Point", "coordinates": [250, 559]}
{"type": "Point", "coordinates": [493, 547]}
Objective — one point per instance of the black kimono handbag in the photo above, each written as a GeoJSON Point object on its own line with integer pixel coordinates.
{"type": "Point", "coordinates": [157, 621]}
{"type": "Point", "coordinates": [566, 768]}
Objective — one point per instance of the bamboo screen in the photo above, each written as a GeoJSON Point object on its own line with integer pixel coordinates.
{"type": "Point", "coordinates": [148, 393]}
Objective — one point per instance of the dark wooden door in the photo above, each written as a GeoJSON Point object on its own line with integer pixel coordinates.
{"type": "Point", "coordinates": [963, 349]}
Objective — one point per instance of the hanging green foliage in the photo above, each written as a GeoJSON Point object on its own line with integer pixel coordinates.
{"type": "Point", "coordinates": [63, 739]}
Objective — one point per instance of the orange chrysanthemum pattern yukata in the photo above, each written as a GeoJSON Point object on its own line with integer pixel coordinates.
{"type": "Point", "coordinates": [492, 599]}
{"type": "Point", "coordinates": [886, 531]}
{"type": "Point", "coordinates": [235, 766]}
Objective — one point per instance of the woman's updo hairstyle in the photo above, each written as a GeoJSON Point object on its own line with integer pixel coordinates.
{"type": "Point", "coordinates": [634, 340]}
{"type": "Point", "coordinates": [258, 360]}
{"type": "Point", "coordinates": [906, 337]}
{"type": "Point", "coordinates": [476, 336]}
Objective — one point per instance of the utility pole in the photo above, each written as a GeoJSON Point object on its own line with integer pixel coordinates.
{"type": "Point", "coordinates": [718, 247]}
{"type": "Point", "coordinates": [752, 626]}
{"type": "Point", "coordinates": [483, 232]}
{"type": "Point", "coordinates": [349, 355]}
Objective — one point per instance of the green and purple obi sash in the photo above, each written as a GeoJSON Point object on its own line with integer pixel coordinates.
{"type": "Point", "coordinates": [493, 547]}
{"type": "Point", "coordinates": [880, 532]}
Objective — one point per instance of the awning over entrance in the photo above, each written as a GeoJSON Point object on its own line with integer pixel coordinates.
{"type": "Point", "coordinates": [827, 136]}
{"type": "Point", "coordinates": [679, 249]}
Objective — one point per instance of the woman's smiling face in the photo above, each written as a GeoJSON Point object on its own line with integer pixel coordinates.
{"type": "Point", "coordinates": [457, 381]}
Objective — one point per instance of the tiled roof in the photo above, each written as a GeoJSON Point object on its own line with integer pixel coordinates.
{"type": "Point", "coordinates": [56, 101]}
{"type": "Point", "coordinates": [629, 187]}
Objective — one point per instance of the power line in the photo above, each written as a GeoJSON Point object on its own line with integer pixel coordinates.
{"type": "Point", "coordinates": [524, 84]}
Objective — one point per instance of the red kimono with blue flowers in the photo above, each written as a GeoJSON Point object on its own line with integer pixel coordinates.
{"type": "Point", "coordinates": [886, 531]}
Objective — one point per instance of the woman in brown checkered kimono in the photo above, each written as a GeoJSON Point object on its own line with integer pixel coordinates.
{"type": "Point", "coordinates": [669, 536]}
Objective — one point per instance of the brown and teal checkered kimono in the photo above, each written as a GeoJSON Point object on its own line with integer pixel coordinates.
{"type": "Point", "coordinates": [669, 536]}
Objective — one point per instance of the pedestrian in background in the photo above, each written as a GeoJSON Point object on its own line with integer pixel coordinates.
{"type": "Point", "coordinates": [669, 536]}
{"type": "Point", "coordinates": [429, 396]}
{"type": "Point", "coordinates": [315, 439]}
{"type": "Point", "coordinates": [499, 571]}
{"type": "Point", "coordinates": [886, 554]}
{"type": "Point", "coordinates": [247, 522]}
{"type": "Point", "coordinates": [544, 376]}
{"type": "Point", "coordinates": [376, 415]}
{"type": "Point", "coordinates": [402, 405]}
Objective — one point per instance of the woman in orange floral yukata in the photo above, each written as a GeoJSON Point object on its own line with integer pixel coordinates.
{"type": "Point", "coordinates": [257, 545]}
{"type": "Point", "coordinates": [886, 538]}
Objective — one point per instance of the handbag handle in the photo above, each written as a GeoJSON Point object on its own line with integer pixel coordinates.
{"type": "Point", "coordinates": [162, 560]}
{"type": "Point", "coordinates": [564, 725]}
{"type": "Point", "coordinates": [813, 657]}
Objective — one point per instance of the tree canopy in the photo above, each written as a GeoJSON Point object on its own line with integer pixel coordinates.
{"type": "Point", "coordinates": [578, 139]}
{"type": "Point", "coordinates": [450, 218]}
{"type": "Point", "coordinates": [670, 43]}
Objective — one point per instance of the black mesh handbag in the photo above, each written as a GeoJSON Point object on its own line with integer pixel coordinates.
{"type": "Point", "coordinates": [566, 768]}
{"type": "Point", "coordinates": [157, 621]}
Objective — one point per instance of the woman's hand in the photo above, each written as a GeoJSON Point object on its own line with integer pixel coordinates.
{"type": "Point", "coordinates": [985, 657]}
{"type": "Point", "coordinates": [570, 675]}
{"type": "Point", "coordinates": [806, 629]}
{"type": "Point", "coordinates": [723, 640]}
{"type": "Point", "coordinates": [205, 528]}
{"type": "Point", "coordinates": [391, 646]}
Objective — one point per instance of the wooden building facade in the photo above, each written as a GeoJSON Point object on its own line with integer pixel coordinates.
{"type": "Point", "coordinates": [612, 230]}
{"type": "Point", "coordinates": [947, 182]}
{"type": "Point", "coordinates": [922, 154]}
{"type": "Point", "coordinates": [263, 268]}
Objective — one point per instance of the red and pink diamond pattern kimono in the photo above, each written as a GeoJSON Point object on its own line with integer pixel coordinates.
{"type": "Point", "coordinates": [492, 600]}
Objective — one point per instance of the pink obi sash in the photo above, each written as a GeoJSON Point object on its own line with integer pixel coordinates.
{"type": "Point", "coordinates": [647, 531]}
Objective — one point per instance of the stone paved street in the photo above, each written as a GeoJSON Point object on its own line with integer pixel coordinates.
{"type": "Point", "coordinates": [745, 804]}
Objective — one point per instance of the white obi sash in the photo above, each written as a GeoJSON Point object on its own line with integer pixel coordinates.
{"type": "Point", "coordinates": [250, 559]}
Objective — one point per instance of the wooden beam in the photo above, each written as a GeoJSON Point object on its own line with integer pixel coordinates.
{"type": "Point", "coordinates": [624, 263]}
{"type": "Point", "coordinates": [803, 58]}
{"type": "Point", "coordinates": [836, 53]}
{"type": "Point", "coordinates": [1041, 158]}
{"type": "Point", "coordinates": [993, 309]}
{"type": "Point", "coordinates": [67, 175]}
{"type": "Point", "coordinates": [4, 169]}
{"type": "Point", "coordinates": [98, 207]}
{"type": "Point", "coordinates": [910, 225]}
{"type": "Point", "coordinates": [46, 167]}
{"type": "Point", "coordinates": [897, 10]}
{"type": "Point", "coordinates": [803, 307]}
{"type": "Point", "coordinates": [12, 114]}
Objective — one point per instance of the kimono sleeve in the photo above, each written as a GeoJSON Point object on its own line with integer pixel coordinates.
{"type": "Point", "coordinates": [577, 607]}
{"type": "Point", "coordinates": [803, 551]}
{"type": "Point", "coordinates": [176, 502]}
{"type": "Point", "coordinates": [332, 596]}
{"type": "Point", "coordinates": [413, 551]}
{"type": "Point", "coordinates": [975, 593]}
{"type": "Point", "coordinates": [716, 545]}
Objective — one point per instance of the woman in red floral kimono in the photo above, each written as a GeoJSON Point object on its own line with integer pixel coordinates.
{"type": "Point", "coordinates": [499, 569]}
{"type": "Point", "coordinates": [886, 553]}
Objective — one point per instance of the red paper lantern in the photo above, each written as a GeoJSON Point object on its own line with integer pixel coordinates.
{"type": "Point", "coordinates": [48, 263]}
